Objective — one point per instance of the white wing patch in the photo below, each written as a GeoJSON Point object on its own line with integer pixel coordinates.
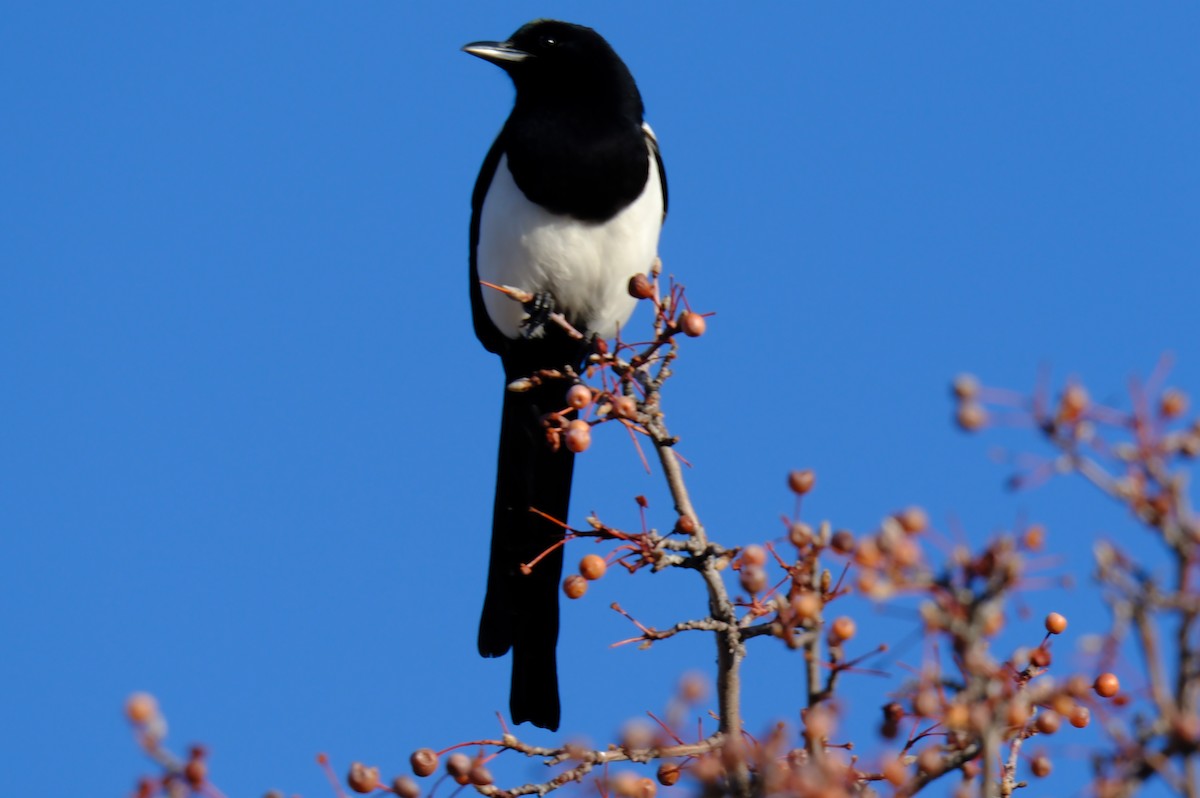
{"type": "Point", "coordinates": [585, 266]}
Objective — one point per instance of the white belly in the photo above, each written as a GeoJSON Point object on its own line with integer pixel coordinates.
{"type": "Point", "coordinates": [585, 266]}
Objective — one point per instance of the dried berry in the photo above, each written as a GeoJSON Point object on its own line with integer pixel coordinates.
{"type": "Point", "coordinates": [801, 482]}
{"type": "Point", "coordinates": [424, 761]}
{"type": "Point", "coordinates": [640, 287]}
{"type": "Point", "coordinates": [363, 779]}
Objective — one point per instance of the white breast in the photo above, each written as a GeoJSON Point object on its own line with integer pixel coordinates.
{"type": "Point", "coordinates": [585, 266]}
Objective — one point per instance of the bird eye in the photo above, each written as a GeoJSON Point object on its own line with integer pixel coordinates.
{"type": "Point", "coordinates": [547, 41]}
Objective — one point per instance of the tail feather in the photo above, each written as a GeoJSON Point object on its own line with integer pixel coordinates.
{"type": "Point", "coordinates": [520, 611]}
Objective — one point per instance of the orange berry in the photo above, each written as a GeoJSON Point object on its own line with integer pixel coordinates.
{"type": "Point", "coordinates": [927, 704]}
{"type": "Point", "coordinates": [195, 772]}
{"type": "Point", "coordinates": [647, 788]}
{"type": "Point", "coordinates": [686, 525]}
{"type": "Point", "coordinates": [1041, 766]}
{"type": "Point", "coordinates": [971, 416]}
{"type": "Point", "coordinates": [896, 772]}
{"type": "Point", "coordinates": [692, 324]}
{"type": "Point", "coordinates": [1040, 657]}
{"type": "Point", "coordinates": [579, 435]}
{"type": "Point", "coordinates": [668, 774]}
{"type": "Point", "coordinates": [1018, 712]}
{"type": "Point", "coordinates": [957, 716]}
{"type": "Point", "coordinates": [965, 386]}
{"type": "Point", "coordinates": [1173, 404]}
{"type": "Point", "coordinates": [801, 482]}
{"type": "Point", "coordinates": [624, 406]}
{"type": "Point", "coordinates": [1048, 721]}
{"type": "Point", "coordinates": [842, 629]}
{"type": "Point", "coordinates": [1034, 537]}
{"type": "Point", "coordinates": [640, 287]}
{"type": "Point", "coordinates": [1107, 685]}
{"type": "Point", "coordinates": [480, 776]}
{"type": "Point", "coordinates": [405, 787]}
{"type": "Point", "coordinates": [579, 396]}
{"type": "Point", "coordinates": [424, 761]}
{"type": "Point", "coordinates": [1063, 704]}
{"type": "Point", "coordinates": [1056, 623]}
{"type": "Point", "coordinates": [1074, 403]}
{"type": "Point", "coordinates": [363, 779]}
{"type": "Point", "coordinates": [574, 586]}
{"type": "Point", "coordinates": [592, 567]}
{"type": "Point", "coordinates": [800, 534]}
{"type": "Point", "coordinates": [753, 579]}
{"type": "Point", "coordinates": [930, 761]}
{"type": "Point", "coordinates": [842, 541]}
{"type": "Point", "coordinates": [754, 555]}
{"type": "Point", "coordinates": [913, 520]}
{"type": "Point", "coordinates": [141, 708]}
{"type": "Point", "coordinates": [1080, 717]}
{"type": "Point", "coordinates": [458, 765]}
{"type": "Point", "coordinates": [806, 605]}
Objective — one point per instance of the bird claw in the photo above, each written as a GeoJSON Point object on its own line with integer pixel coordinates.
{"type": "Point", "coordinates": [539, 309]}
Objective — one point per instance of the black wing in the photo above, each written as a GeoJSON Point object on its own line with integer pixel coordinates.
{"type": "Point", "coordinates": [492, 339]}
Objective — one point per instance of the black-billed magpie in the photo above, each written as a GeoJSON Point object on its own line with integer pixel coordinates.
{"type": "Point", "coordinates": [568, 207]}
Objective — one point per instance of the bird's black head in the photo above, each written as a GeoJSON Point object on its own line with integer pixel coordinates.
{"type": "Point", "coordinates": [559, 61]}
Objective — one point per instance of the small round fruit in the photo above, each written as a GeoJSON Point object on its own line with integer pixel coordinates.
{"type": "Point", "coordinates": [668, 774]}
{"type": "Point", "coordinates": [913, 520]}
{"type": "Point", "coordinates": [753, 579]}
{"type": "Point", "coordinates": [842, 541]}
{"type": "Point", "coordinates": [141, 708]}
{"type": "Point", "coordinates": [195, 772]}
{"type": "Point", "coordinates": [640, 287]}
{"type": "Point", "coordinates": [1048, 721]}
{"type": "Point", "coordinates": [624, 407]}
{"type": "Point", "coordinates": [458, 765]}
{"type": "Point", "coordinates": [579, 396]}
{"type": "Point", "coordinates": [424, 761]}
{"type": "Point", "coordinates": [481, 776]}
{"type": "Point", "coordinates": [842, 629]}
{"type": "Point", "coordinates": [579, 436]}
{"type": "Point", "coordinates": [966, 386]}
{"type": "Point", "coordinates": [1080, 717]}
{"type": "Point", "coordinates": [1041, 766]}
{"type": "Point", "coordinates": [1107, 685]}
{"type": "Point", "coordinates": [971, 416]}
{"type": "Point", "coordinates": [754, 555]}
{"type": "Point", "coordinates": [575, 586]}
{"type": "Point", "coordinates": [801, 482]}
{"type": "Point", "coordinates": [692, 324]}
{"type": "Point", "coordinates": [405, 787]}
{"type": "Point", "coordinates": [1056, 623]}
{"type": "Point", "coordinates": [363, 779]}
{"type": "Point", "coordinates": [592, 567]}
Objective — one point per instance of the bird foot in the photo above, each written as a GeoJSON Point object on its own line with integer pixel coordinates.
{"type": "Point", "coordinates": [539, 309]}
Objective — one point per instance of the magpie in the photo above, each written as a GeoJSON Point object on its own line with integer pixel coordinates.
{"type": "Point", "coordinates": [567, 207]}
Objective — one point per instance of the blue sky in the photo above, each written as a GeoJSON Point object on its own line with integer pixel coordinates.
{"type": "Point", "coordinates": [248, 436]}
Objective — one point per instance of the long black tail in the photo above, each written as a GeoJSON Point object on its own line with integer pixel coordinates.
{"type": "Point", "coordinates": [521, 611]}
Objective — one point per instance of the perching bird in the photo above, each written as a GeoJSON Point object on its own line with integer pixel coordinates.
{"type": "Point", "coordinates": [568, 207]}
